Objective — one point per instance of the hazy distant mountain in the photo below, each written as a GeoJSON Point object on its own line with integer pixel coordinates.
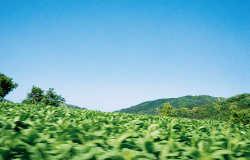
{"type": "Point", "coordinates": [150, 107]}
{"type": "Point", "coordinates": [4, 100]}
{"type": "Point", "coordinates": [71, 106]}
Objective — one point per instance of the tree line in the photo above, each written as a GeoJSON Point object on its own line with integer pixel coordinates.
{"type": "Point", "coordinates": [235, 109]}
{"type": "Point", "coordinates": [36, 96]}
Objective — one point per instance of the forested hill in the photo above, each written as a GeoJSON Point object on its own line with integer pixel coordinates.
{"type": "Point", "coordinates": [234, 109]}
{"type": "Point", "coordinates": [150, 107]}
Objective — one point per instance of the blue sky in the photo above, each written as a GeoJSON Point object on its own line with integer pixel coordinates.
{"type": "Point", "coordinates": [112, 54]}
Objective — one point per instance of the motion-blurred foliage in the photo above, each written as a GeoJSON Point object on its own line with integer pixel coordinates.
{"type": "Point", "coordinates": [56, 133]}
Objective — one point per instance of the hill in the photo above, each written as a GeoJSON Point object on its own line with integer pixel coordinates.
{"type": "Point", "coordinates": [235, 109]}
{"type": "Point", "coordinates": [150, 107]}
{"type": "Point", "coordinates": [71, 106]}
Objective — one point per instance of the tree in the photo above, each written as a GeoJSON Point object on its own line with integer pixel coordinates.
{"type": "Point", "coordinates": [168, 111]}
{"type": "Point", "coordinates": [6, 85]}
{"type": "Point", "coordinates": [36, 96]}
{"type": "Point", "coordinates": [240, 116]}
{"type": "Point", "coordinates": [51, 98]}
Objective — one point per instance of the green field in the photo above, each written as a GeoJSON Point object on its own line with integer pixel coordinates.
{"type": "Point", "coordinates": [45, 132]}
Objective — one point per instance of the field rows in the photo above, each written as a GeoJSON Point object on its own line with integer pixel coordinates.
{"type": "Point", "coordinates": [38, 132]}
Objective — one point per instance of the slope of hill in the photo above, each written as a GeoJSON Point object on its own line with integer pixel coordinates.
{"type": "Point", "coordinates": [150, 107]}
{"type": "Point", "coordinates": [235, 109]}
{"type": "Point", "coordinates": [71, 106]}
{"type": "Point", "coordinates": [4, 100]}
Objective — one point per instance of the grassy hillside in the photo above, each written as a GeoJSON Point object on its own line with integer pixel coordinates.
{"type": "Point", "coordinates": [150, 107]}
{"type": "Point", "coordinates": [235, 109]}
{"type": "Point", "coordinates": [44, 132]}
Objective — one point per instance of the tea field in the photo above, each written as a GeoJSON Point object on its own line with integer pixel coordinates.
{"type": "Point", "coordinates": [55, 133]}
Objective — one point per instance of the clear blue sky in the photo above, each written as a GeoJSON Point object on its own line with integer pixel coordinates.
{"type": "Point", "coordinates": [112, 54]}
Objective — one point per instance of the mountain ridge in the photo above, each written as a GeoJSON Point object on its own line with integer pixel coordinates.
{"type": "Point", "coordinates": [150, 107]}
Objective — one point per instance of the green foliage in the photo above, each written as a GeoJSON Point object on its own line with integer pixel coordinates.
{"type": "Point", "coordinates": [51, 98]}
{"type": "Point", "coordinates": [6, 85]}
{"type": "Point", "coordinates": [44, 132]}
{"type": "Point", "coordinates": [150, 107]}
{"type": "Point", "coordinates": [36, 96]}
{"type": "Point", "coordinates": [240, 116]}
{"type": "Point", "coordinates": [234, 109]}
{"type": "Point", "coordinates": [168, 111]}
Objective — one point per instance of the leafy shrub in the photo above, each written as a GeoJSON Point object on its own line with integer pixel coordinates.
{"type": "Point", "coordinates": [240, 116]}
{"type": "Point", "coordinates": [168, 111]}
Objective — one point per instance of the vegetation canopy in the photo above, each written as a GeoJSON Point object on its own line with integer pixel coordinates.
{"type": "Point", "coordinates": [36, 96]}
{"type": "Point", "coordinates": [150, 107]}
{"type": "Point", "coordinates": [6, 85]}
{"type": "Point", "coordinates": [235, 109]}
{"type": "Point", "coordinates": [45, 132]}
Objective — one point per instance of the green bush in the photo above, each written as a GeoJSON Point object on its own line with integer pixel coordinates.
{"type": "Point", "coordinates": [241, 116]}
{"type": "Point", "coordinates": [168, 111]}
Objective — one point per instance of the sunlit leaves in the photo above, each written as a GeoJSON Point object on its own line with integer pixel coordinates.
{"type": "Point", "coordinates": [45, 132]}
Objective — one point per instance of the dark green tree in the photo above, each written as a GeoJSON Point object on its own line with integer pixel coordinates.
{"type": "Point", "coordinates": [35, 96]}
{"type": "Point", "coordinates": [6, 85]}
{"type": "Point", "coordinates": [51, 98]}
